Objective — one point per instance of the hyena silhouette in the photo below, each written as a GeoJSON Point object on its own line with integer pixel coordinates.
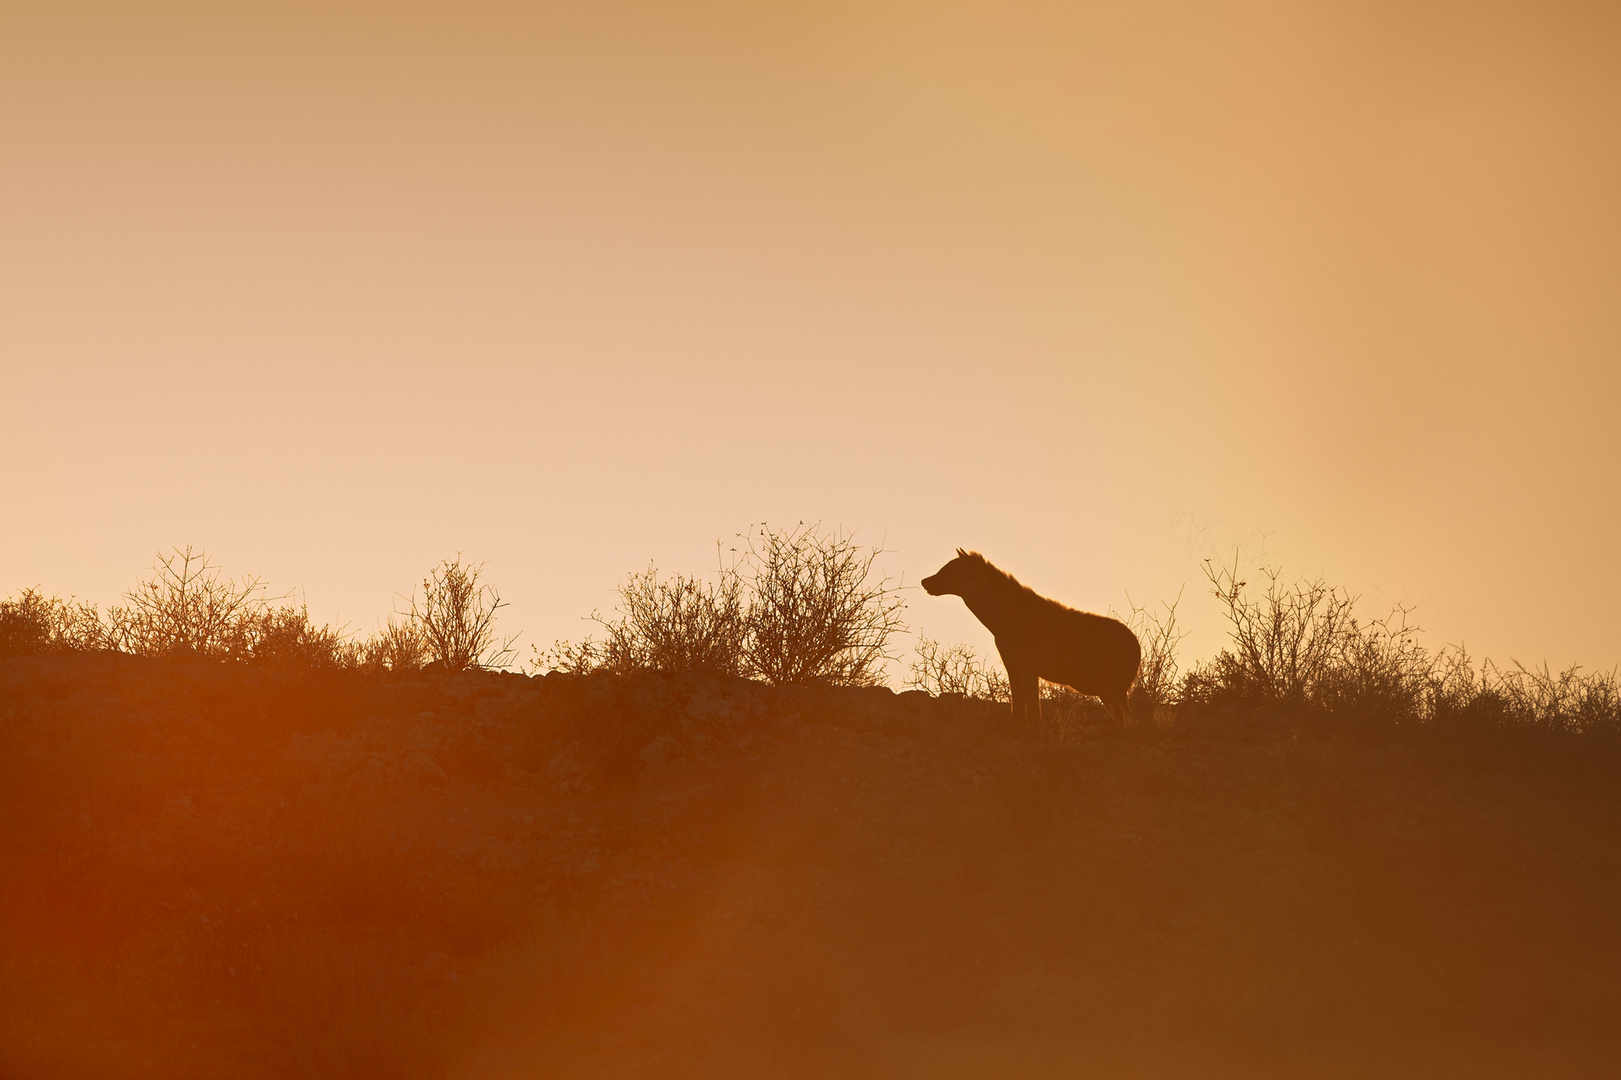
{"type": "Point", "coordinates": [1043, 639]}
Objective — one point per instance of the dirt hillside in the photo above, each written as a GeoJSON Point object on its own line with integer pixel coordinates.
{"type": "Point", "coordinates": [217, 871]}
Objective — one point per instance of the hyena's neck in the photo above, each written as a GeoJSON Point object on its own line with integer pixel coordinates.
{"type": "Point", "coordinates": [991, 608]}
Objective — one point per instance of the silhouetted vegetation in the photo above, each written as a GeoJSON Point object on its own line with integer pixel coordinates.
{"type": "Point", "coordinates": [955, 669]}
{"type": "Point", "coordinates": [286, 637]}
{"type": "Point", "coordinates": [456, 618]}
{"type": "Point", "coordinates": [187, 608]}
{"type": "Point", "coordinates": [400, 646]}
{"type": "Point", "coordinates": [816, 614]}
{"type": "Point", "coordinates": [672, 625]}
{"type": "Point", "coordinates": [1159, 678]}
{"type": "Point", "coordinates": [1303, 647]}
{"type": "Point", "coordinates": [797, 607]}
{"type": "Point", "coordinates": [802, 606]}
{"type": "Point", "coordinates": [35, 623]}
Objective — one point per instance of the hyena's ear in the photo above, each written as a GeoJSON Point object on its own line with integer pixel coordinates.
{"type": "Point", "coordinates": [961, 553]}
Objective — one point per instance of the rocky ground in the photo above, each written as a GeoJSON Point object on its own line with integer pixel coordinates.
{"type": "Point", "coordinates": [213, 871]}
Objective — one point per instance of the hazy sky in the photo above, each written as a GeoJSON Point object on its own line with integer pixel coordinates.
{"type": "Point", "coordinates": [333, 291]}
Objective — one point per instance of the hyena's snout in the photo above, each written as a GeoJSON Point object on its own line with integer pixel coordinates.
{"type": "Point", "coordinates": [931, 584]}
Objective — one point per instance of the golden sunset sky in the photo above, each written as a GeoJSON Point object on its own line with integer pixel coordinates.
{"type": "Point", "coordinates": [333, 291]}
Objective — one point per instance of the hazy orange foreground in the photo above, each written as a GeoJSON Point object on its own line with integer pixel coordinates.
{"type": "Point", "coordinates": [212, 871]}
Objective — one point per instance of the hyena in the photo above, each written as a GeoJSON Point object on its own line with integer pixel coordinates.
{"type": "Point", "coordinates": [1043, 639]}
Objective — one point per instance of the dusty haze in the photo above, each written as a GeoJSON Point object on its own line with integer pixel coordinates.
{"type": "Point", "coordinates": [334, 291]}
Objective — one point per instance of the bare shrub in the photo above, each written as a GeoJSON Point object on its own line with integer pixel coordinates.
{"type": "Point", "coordinates": [188, 608]}
{"type": "Point", "coordinates": [798, 606]}
{"type": "Point", "coordinates": [569, 657]}
{"type": "Point", "coordinates": [1452, 691]}
{"type": "Point", "coordinates": [25, 624]}
{"type": "Point", "coordinates": [1537, 698]}
{"type": "Point", "coordinates": [956, 669]}
{"type": "Point", "coordinates": [285, 636]}
{"type": "Point", "coordinates": [1303, 646]}
{"type": "Point", "coordinates": [457, 617]}
{"type": "Point", "coordinates": [1158, 678]}
{"type": "Point", "coordinates": [679, 624]}
{"type": "Point", "coordinates": [399, 646]}
{"type": "Point", "coordinates": [1463, 697]}
{"type": "Point", "coordinates": [1594, 703]}
{"type": "Point", "coordinates": [816, 613]}
{"type": "Point", "coordinates": [36, 623]}
{"type": "Point", "coordinates": [1378, 671]}
{"type": "Point", "coordinates": [1282, 644]}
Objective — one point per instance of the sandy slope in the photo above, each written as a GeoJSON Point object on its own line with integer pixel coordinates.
{"type": "Point", "coordinates": [217, 872]}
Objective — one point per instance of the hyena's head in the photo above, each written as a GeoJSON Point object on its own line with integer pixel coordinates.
{"type": "Point", "coordinates": [959, 577]}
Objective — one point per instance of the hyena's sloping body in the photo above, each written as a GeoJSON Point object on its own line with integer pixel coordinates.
{"type": "Point", "coordinates": [1043, 639]}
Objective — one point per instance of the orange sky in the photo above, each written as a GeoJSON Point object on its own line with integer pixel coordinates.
{"type": "Point", "coordinates": [333, 291]}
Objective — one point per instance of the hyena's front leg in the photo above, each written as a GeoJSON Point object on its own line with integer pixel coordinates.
{"type": "Point", "coordinates": [1026, 691]}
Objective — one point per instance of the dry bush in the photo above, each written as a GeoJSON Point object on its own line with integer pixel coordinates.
{"type": "Point", "coordinates": [286, 637]}
{"type": "Point", "coordinates": [1568, 702]}
{"type": "Point", "coordinates": [36, 623]}
{"type": "Point", "coordinates": [1158, 678]}
{"type": "Point", "coordinates": [1453, 691]}
{"type": "Point", "coordinates": [26, 623]}
{"type": "Point", "coordinates": [798, 606]}
{"type": "Point", "coordinates": [955, 669]}
{"type": "Point", "coordinates": [569, 657]}
{"type": "Point", "coordinates": [188, 608]}
{"type": "Point", "coordinates": [1304, 647]}
{"type": "Point", "coordinates": [1282, 644]}
{"type": "Point", "coordinates": [1461, 697]}
{"type": "Point", "coordinates": [816, 613]}
{"type": "Point", "coordinates": [399, 646]}
{"type": "Point", "coordinates": [680, 624]}
{"type": "Point", "coordinates": [457, 617]}
{"type": "Point", "coordinates": [1378, 672]}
